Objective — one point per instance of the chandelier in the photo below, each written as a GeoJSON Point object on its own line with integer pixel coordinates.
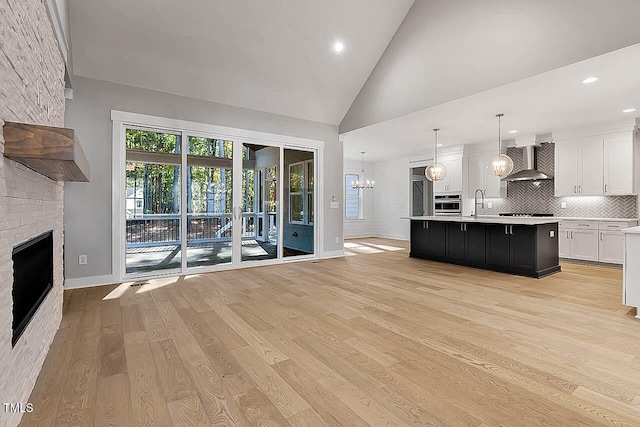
{"type": "Point", "coordinates": [362, 182]}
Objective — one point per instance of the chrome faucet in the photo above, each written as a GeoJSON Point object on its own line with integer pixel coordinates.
{"type": "Point", "coordinates": [475, 211]}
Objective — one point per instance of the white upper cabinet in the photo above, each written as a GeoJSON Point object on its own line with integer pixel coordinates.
{"type": "Point", "coordinates": [618, 164]}
{"type": "Point", "coordinates": [455, 174]}
{"type": "Point", "coordinates": [452, 182]}
{"type": "Point", "coordinates": [566, 169]}
{"type": "Point", "coordinates": [590, 168]}
{"type": "Point", "coordinates": [478, 177]}
{"type": "Point", "coordinates": [595, 166]}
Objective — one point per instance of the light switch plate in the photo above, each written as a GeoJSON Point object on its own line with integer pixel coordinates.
{"type": "Point", "coordinates": [82, 259]}
{"type": "Point", "coordinates": [334, 205]}
{"type": "Point", "coordinates": [563, 205]}
{"type": "Point", "coordinates": [489, 205]}
{"type": "Point", "coordinates": [552, 233]}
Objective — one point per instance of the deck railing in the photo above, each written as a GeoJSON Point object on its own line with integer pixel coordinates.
{"type": "Point", "coordinates": [162, 229]}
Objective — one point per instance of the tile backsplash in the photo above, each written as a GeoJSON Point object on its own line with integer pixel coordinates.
{"type": "Point", "coordinates": [537, 197]}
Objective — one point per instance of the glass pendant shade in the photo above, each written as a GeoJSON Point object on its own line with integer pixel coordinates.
{"type": "Point", "coordinates": [436, 172]}
{"type": "Point", "coordinates": [501, 165]}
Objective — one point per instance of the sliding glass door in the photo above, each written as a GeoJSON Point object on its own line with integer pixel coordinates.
{"type": "Point", "coordinates": [196, 202]}
{"type": "Point", "coordinates": [152, 201]}
{"type": "Point", "coordinates": [259, 192]}
{"type": "Point", "coordinates": [299, 207]}
{"type": "Point", "coordinates": [209, 184]}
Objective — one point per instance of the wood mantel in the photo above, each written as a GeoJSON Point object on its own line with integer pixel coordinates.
{"type": "Point", "coordinates": [54, 152]}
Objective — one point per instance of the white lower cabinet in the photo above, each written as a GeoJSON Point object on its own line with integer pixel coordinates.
{"type": "Point", "coordinates": [600, 241]}
{"type": "Point", "coordinates": [578, 243]}
{"type": "Point", "coordinates": [564, 243]}
{"type": "Point", "coordinates": [584, 245]}
{"type": "Point", "coordinates": [611, 247]}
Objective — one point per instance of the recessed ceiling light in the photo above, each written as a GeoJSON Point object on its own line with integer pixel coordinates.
{"type": "Point", "coordinates": [439, 145]}
{"type": "Point", "coordinates": [513, 131]}
{"type": "Point", "coordinates": [338, 47]}
{"type": "Point", "coordinates": [589, 80]}
{"type": "Point", "coordinates": [629, 110]}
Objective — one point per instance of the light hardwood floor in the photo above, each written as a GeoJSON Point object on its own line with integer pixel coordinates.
{"type": "Point", "coordinates": [374, 338]}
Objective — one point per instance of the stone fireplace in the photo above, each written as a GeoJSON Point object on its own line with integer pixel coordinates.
{"type": "Point", "coordinates": [32, 91]}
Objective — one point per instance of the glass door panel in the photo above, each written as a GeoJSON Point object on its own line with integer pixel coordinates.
{"type": "Point", "coordinates": [209, 201]}
{"type": "Point", "coordinates": [298, 206]}
{"type": "Point", "coordinates": [152, 202]}
{"type": "Point", "coordinates": [259, 192]}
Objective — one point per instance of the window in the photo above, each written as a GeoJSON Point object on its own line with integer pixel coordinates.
{"type": "Point", "coordinates": [352, 198]}
{"type": "Point", "coordinates": [301, 192]}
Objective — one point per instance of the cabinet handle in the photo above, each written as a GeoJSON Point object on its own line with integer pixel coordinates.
{"type": "Point", "coordinates": [583, 225]}
{"type": "Point", "coordinates": [605, 188]}
{"type": "Point", "coordinates": [511, 229]}
{"type": "Point", "coordinates": [575, 189]}
{"type": "Point", "coordinates": [427, 222]}
{"type": "Point", "coordinates": [600, 236]}
{"type": "Point", "coordinates": [572, 234]}
{"type": "Point", "coordinates": [612, 226]}
{"type": "Point", "coordinates": [465, 227]}
{"type": "Point", "coordinates": [579, 188]}
{"type": "Point", "coordinates": [567, 234]}
{"type": "Point", "coordinates": [461, 227]}
{"type": "Point", "coordinates": [506, 229]}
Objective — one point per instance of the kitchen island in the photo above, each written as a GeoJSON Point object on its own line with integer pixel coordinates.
{"type": "Point", "coordinates": [517, 245]}
{"type": "Point", "coordinates": [631, 269]}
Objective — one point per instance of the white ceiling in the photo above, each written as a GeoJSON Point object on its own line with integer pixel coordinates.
{"type": "Point", "coordinates": [554, 100]}
{"type": "Point", "coordinates": [449, 49]}
{"type": "Point", "coordinates": [272, 56]}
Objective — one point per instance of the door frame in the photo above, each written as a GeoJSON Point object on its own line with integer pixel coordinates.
{"type": "Point", "coordinates": [121, 120]}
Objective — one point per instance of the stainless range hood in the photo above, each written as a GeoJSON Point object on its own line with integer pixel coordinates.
{"type": "Point", "coordinates": [530, 170]}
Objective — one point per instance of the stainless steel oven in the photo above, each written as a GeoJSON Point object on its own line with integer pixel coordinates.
{"type": "Point", "coordinates": [449, 204]}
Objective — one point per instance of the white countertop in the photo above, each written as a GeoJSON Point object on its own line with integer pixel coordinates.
{"type": "Point", "coordinates": [632, 230]}
{"type": "Point", "coordinates": [577, 218]}
{"type": "Point", "coordinates": [489, 219]}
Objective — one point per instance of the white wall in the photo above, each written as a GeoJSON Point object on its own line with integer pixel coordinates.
{"type": "Point", "coordinates": [365, 227]}
{"type": "Point", "coordinates": [88, 206]}
{"type": "Point", "coordinates": [392, 199]}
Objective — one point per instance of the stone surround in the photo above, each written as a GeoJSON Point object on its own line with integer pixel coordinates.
{"type": "Point", "coordinates": [31, 91]}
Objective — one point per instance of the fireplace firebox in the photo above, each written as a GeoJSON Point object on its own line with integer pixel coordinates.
{"type": "Point", "coordinates": [32, 280]}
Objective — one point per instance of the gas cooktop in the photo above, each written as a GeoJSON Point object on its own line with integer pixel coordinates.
{"type": "Point", "coordinates": [525, 214]}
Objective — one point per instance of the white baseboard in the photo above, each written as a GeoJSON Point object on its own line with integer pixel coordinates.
{"type": "Point", "coordinates": [87, 282]}
{"type": "Point", "coordinates": [332, 254]}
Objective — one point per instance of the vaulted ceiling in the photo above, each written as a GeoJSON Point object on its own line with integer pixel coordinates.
{"type": "Point", "coordinates": [405, 64]}
{"type": "Point", "coordinates": [446, 50]}
{"type": "Point", "coordinates": [274, 56]}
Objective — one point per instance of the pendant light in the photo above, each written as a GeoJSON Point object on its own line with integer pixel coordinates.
{"type": "Point", "coordinates": [436, 171]}
{"type": "Point", "coordinates": [501, 165]}
{"type": "Point", "coordinates": [362, 182]}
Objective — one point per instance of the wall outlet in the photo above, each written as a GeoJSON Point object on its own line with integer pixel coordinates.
{"type": "Point", "coordinates": [489, 205]}
{"type": "Point", "coordinates": [82, 259]}
{"type": "Point", "coordinates": [337, 239]}
{"type": "Point", "coordinates": [563, 205]}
